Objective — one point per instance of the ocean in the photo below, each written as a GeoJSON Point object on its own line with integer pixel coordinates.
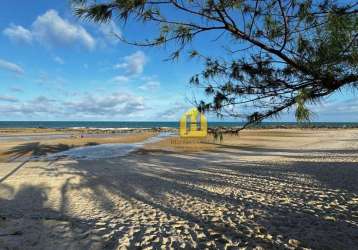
{"type": "Point", "coordinates": [153, 124]}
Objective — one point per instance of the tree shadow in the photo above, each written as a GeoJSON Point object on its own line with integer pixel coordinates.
{"type": "Point", "coordinates": [232, 203]}
{"type": "Point", "coordinates": [213, 200]}
{"type": "Point", "coordinates": [255, 149]}
{"type": "Point", "coordinates": [29, 150]}
{"type": "Point", "coordinates": [35, 149]}
{"type": "Point", "coordinates": [26, 222]}
{"type": "Point", "coordinates": [3, 178]}
{"type": "Point", "coordinates": [39, 149]}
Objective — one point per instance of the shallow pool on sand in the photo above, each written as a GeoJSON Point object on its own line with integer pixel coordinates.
{"type": "Point", "coordinates": [106, 150]}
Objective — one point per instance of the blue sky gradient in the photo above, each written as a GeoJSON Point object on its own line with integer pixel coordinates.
{"type": "Point", "coordinates": [56, 67]}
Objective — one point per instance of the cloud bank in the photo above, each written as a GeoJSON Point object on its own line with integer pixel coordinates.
{"type": "Point", "coordinates": [4, 98]}
{"type": "Point", "coordinates": [133, 64]}
{"type": "Point", "coordinates": [12, 67]}
{"type": "Point", "coordinates": [18, 33]}
{"type": "Point", "coordinates": [150, 86]}
{"type": "Point", "coordinates": [51, 30]}
{"type": "Point", "coordinates": [120, 104]}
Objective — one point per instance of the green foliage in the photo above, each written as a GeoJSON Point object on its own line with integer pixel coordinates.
{"type": "Point", "coordinates": [272, 27]}
{"type": "Point", "coordinates": [302, 113]}
{"type": "Point", "coordinates": [280, 53]}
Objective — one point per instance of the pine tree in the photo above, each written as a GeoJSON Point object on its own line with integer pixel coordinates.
{"type": "Point", "coordinates": [283, 53]}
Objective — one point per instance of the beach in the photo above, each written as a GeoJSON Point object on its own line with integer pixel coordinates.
{"type": "Point", "coordinates": [260, 189]}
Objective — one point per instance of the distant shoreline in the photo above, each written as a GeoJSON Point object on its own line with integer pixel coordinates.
{"type": "Point", "coordinates": [127, 126]}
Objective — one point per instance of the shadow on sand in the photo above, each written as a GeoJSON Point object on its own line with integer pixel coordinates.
{"type": "Point", "coordinates": [34, 149]}
{"type": "Point", "coordinates": [230, 202]}
{"type": "Point", "coordinates": [207, 200]}
{"type": "Point", "coordinates": [39, 149]}
{"type": "Point", "coordinates": [31, 224]}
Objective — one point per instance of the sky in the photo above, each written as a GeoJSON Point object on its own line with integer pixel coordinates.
{"type": "Point", "coordinates": [55, 67]}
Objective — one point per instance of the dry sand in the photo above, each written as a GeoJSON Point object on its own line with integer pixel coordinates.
{"type": "Point", "coordinates": [266, 189]}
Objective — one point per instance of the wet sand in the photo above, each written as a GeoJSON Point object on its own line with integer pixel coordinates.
{"type": "Point", "coordinates": [264, 189]}
{"type": "Point", "coordinates": [39, 144]}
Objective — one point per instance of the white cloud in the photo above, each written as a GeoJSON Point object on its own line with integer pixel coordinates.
{"type": "Point", "coordinates": [150, 86]}
{"type": "Point", "coordinates": [59, 60]}
{"type": "Point", "coordinates": [52, 30]}
{"type": "Point", "coordinates": [173, 112]}
{"type": "Point", "coordinates": [43, 99]}
{"type": "Point", "coordinates": [18, 33]}
{"type": "Point", "coordinates": [134, 63]}
{"type": "Point", "coordinates": [35, 106]}
{"type": "Point", "coordinates": [8, 98]}
{"type": "Point", "coordinates": [120, 79]}
{"type": "Point", "coordinates": [45, 79]}
{"type": "Point", "coordinates": [9, 66]}
{"type": "Point", "coordinates": [116, 104]}
{"type": "Point", "coordinates": [337, 108]}
{"type": "Point", "coordinates": [16, 89]}
{"type": "Point", "coordinates": [89, 105]}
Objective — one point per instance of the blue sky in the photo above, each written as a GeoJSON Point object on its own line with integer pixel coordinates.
{"type": "Point", "coordinates": [55, 67]}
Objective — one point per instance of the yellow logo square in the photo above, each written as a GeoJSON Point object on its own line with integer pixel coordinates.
{"type": "Point", "coordinates": [193, 124]}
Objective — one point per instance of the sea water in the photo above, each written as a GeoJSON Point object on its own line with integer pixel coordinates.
{"type": "Point", "coordinates": [151, 124]}
{"type": "Point", "coordinates": [105, 150]}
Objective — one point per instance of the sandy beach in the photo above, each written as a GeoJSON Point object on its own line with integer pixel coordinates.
{"type": "Point", "coordinates": [24, 143]}
{"type": "Point", "coordinates": [263, 189]}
